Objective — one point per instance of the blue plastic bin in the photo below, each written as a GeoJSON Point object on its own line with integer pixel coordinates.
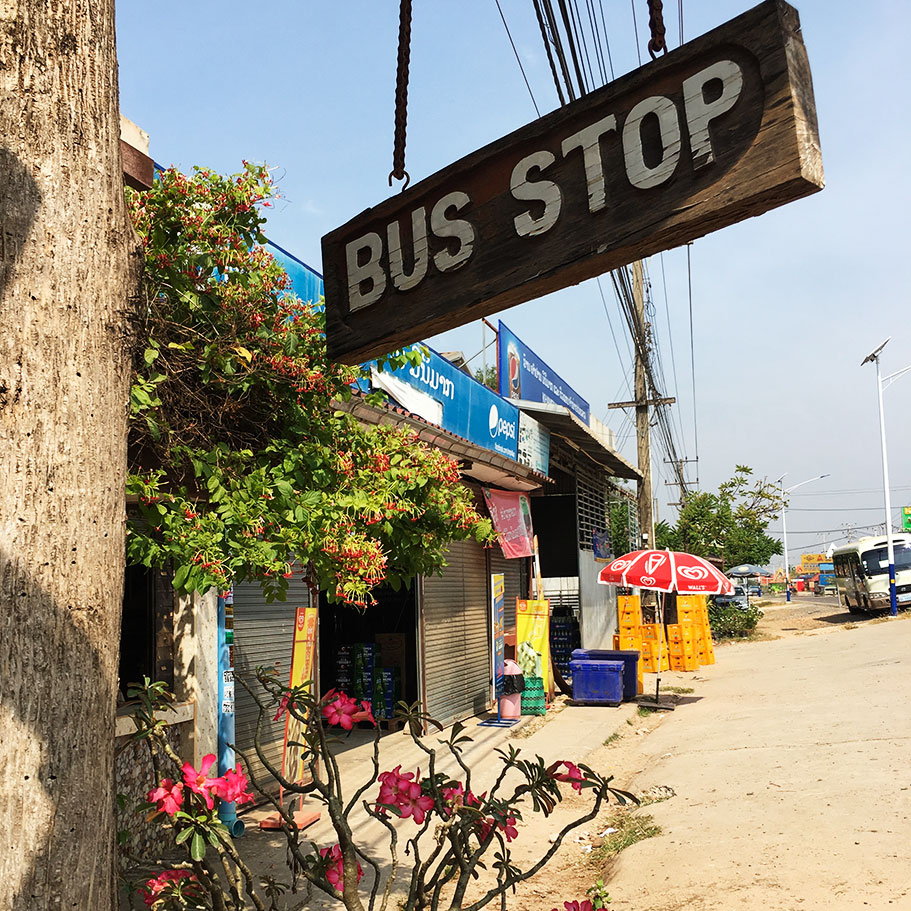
{"type": "Point", "coordinates": [597, 682]}
{"type": "Point", "coordinates": [630, 661]}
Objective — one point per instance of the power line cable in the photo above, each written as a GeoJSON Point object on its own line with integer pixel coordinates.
{"type": "Point", "coordinates": [689, 285]}
{"type": "Point", "coordinates": [632, 4]}
{"type": "Point", "coordinates": [518, 59]}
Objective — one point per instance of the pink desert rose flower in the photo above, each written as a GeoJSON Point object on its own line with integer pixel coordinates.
{"type": "Point", "coordinates": [233, 787]}
{"type": "Point", "coordinates": [199, 781]}
{"type": "Point", "coordinates": [404, 792]}
{"type": "Point", "coordinates": [167, 797]}
{"type": "Point", "coordinates": [335, 872]}
{"type": "Point", "coordinates": [584, 905]}
{"type": "Point", "coordinates": [345, 711]}
{"type": "Point", "coordinates": [167, 881]}
{"type": "Point", "coordinates": [573, 774]}
{"type": "Point", "coordinates": [282, 707]}
{"type": "Point", "coordinates": [507, 826]}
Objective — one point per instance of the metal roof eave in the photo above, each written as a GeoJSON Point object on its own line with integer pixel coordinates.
{"type": "Point", "coordinates": [560, 421]}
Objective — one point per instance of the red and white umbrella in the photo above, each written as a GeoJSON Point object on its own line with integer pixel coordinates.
{"type": "Point", "coordinates": [666, 571]}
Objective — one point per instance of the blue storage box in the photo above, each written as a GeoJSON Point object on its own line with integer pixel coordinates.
{"type": "Point", "coordinates": [597, 682]}
{"type": "Point", "coordinates": [630, 661]}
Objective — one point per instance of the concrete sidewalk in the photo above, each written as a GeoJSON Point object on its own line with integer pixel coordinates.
{"type": "Point", "coordinates": [570, 732]}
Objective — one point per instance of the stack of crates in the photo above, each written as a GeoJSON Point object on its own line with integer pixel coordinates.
{"type": "Point", "coordinates": [682, 647]}
{"type": "Point", "coordinates": [690, 638]}
{"type": "Point", "coordinates": [653, 641]}
{"type": "Point", "coordinates": [629, 619]}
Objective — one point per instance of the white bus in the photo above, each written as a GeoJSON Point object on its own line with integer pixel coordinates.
{"type": "Point", "coordinates": [862, 573]}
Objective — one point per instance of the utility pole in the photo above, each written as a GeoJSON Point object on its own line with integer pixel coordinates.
{"type": "Point", "coordinates": [635, 311]}
{"type": "Point", "coordinates": [643, 436]}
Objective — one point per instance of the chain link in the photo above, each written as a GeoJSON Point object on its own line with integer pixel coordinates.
{"type": "Point", "coordinates": [401, 95]}
{"type": "Point", "coordinates": [657, 44]}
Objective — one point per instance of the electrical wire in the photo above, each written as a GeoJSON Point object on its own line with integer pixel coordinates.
{"type": "Point", "coordinates": [518, 59]}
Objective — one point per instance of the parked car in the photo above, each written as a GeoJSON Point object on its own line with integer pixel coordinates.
{"type": "Point", "coordinates": [737, 599]}
{"type": "Point", "coordinates": [754, 589]}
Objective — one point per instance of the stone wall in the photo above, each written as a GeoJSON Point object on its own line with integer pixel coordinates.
{"type": "Point", "coordinates": [134, 777]}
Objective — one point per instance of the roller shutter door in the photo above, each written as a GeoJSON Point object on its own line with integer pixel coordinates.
{"type": "Point", "coordinates": [456, 636]}
{"type": "Point", "coordinates": [512, 571]}
{"type": "Point", "coordinates": [263, 636]}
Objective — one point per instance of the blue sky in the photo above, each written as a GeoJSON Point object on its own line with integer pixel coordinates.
{"type": "Point", "coordinates": [785, 306]}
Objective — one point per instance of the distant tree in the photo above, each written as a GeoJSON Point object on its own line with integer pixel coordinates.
{"type": "Point", "coordinates": [730, 524]}
{"type": "Point", "coordinates": [488, 376]}
{"type": "Point", "coordinates": [622, 535]}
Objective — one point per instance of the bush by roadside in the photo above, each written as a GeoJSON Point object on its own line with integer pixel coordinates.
{"type": "Point", "coordinates": [732, 622]}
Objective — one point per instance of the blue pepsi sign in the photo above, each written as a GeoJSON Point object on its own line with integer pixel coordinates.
{"type": "Point", "coordinates": [523, 375]}
{"type": "Point", "coordinates": [467, 408]}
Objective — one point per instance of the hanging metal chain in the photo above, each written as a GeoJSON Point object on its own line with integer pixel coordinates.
{"type": "Point", "coordinates": [401, 95]}
{"type": "Point", "coordinates": [656, 25]}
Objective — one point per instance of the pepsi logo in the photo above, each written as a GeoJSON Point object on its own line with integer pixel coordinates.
{"type": "Point", "coordinates": [500, 426]}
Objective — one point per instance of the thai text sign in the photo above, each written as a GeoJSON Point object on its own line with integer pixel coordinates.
{"type": "Point", "coordinates": [716, 131]}
{"type": "Point", "coordinates": [523, 375]}
{"type": "Point", "coordinates": [457, 402]}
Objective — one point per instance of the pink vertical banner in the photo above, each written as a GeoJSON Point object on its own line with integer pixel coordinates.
{"type": "Point", "coordinates": [511, 515]}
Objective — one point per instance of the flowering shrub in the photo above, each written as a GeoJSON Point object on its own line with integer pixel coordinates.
{"type": "Point", "coordinates": [450, 832]}
{"type": "Point", "coordinates": [243, 462]}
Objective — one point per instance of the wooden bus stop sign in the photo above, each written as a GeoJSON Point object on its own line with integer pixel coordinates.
{"type": "Point", "coordinates": [710, 134]}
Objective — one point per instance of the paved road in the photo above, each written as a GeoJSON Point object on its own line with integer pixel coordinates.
{"type": "Point", "coordinates": [792, 773]}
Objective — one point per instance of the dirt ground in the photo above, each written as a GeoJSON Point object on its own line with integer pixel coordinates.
{"type": "Point", "coordinates": [782, 780]}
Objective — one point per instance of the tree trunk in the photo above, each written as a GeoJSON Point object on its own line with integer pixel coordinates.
{"type": "Point", "coordinates": [65, 292]}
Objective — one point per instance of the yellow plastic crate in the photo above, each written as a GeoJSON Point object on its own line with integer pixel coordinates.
{"type": "Point", "coordinates": [649, 631]}
{"type": "Point", "coordinates": [629, 643]}
{"type": "Point", "coordinates": [684, 663]}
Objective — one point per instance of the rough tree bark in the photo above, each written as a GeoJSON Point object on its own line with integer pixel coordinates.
{"type": "Point", "coordinates": [65, 288]}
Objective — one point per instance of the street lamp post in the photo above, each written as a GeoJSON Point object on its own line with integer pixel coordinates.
{"type": "Point", "coordinates": [882, 383]}
{"type": "Point", "coordinates": [784, 528]}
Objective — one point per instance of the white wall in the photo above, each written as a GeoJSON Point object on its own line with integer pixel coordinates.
{"type": "Point", "coordinates": [598, 603]}
{"type": "Point", "coordinates": [196, 670]}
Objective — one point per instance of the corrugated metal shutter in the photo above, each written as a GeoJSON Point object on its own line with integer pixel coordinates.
{"type": "Point", "coordinates": [456, 635]}
{"type": "Point", "coordinates": [512, 570]}
{"type": "Point", "coordinates": [263, 636]}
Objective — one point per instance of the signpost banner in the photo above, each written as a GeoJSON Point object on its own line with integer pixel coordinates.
{"type": "Point", "coordinates": [511, 515]}
{"type": "Point", "coordinates": [303, 664]}
{"type": "Point", "coordinates": [906, 518]}
{"type": "Point", "coordinates": [497, 608]}
{"type": "Point", "coordinates": [533, 638]}
{"type": "Point", "coordinates": [523, 375]}
{"type": "Point", "coordinates": [601, 546]}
